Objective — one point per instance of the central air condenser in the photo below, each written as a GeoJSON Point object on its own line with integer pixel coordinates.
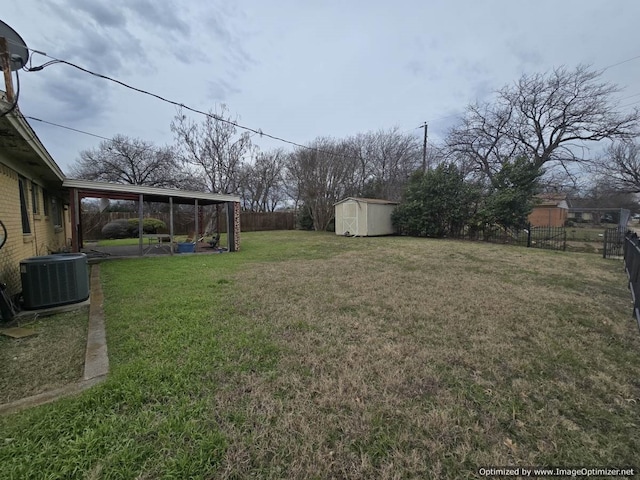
{"type": "Point", "coordinates": [53, 280]}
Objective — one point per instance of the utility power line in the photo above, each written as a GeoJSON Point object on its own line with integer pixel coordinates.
{"type": "Point", "coordinates": [55, 60]}
{"type": "Point", "coordinates": [69, 128]}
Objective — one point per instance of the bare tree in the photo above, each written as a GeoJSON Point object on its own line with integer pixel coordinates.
{"type": "Point", "coordinates": [621, 166]}
{"type": "Point", "coordinates": [386, 160]}
{"type": "Point", "coordinates": [212, 149]}
{"type": "Point", "coordinates": [130, 161]}
{"type": "Point", "coordinates": [549, 118]}
{"type": "Point", "coordinates": [322, 176]}
{"type": "Point", "coordinates": [261, 183]}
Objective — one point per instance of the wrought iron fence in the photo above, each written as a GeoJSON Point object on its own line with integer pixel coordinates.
{"type": "Point", "coordinates": [631, 251]}
{"type": "Point", "coordinates": [550, 238]}
{"type": "Point", "coordinates": [613, 246]}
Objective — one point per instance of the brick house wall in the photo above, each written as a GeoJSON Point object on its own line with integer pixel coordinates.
{"type": "Point", "coordinates": [45, 237]}
{"type": "Point", "coordinates": [548, 216]}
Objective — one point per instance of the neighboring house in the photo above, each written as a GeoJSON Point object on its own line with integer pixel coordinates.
{"type": "Point", "coordinates": [581, 215]}
{"type": "Point", "coordinates": [594, 215]}
{"type": "Point", "coordinates": [33, 206]}
{"type": "Point", "coordinates": [364, 217]}
{"type": "Point", "coordinates": [550, 210]}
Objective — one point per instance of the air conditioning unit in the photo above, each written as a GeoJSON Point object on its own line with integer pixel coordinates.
{"type": "Point", "coordinates": [53, 280]}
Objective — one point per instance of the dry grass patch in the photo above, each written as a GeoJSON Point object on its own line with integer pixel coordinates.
{"type": "Point", "coordinates": [428, 358]}
{"type": "Point", "coordinates": [51, 359]}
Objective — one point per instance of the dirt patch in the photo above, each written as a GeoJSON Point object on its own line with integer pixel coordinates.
{"type": "Point", "coordinates": [48, 360]}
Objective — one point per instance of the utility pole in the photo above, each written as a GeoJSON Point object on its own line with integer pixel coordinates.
{"type": "Point", "coordinates": [5, 58]}
{"type": "Point", "coordinates": [424, 147]}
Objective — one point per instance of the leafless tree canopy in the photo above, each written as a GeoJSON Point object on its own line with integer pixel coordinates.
{"type": "Point", "coordinates": [131, 161]}
{"type": "Point", "coordinates": [548, 118]}
{"type": "Point", "coordinates": [212, 149]}
{"type": "Point", "coordinates": [374, 164]}
{"type": "Point", "coordinates": [320, 179]}
{"type": "Point", "coordinates": [620, 166]}
{"type": "Point", "coordinates": [261, 182]}
{"type": "Point", "coordinates": [387, 159]}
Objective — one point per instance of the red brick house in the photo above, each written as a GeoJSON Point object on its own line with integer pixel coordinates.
{"type": "Point", "coordinates": [550, 210]}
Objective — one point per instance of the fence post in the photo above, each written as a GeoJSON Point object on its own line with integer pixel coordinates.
{"type": "Point", "coordinates": [564, 239]}
{"type": "Point", "coordinates": [529, 235]}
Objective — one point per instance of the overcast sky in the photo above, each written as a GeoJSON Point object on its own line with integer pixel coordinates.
{"type": "Point", "coordinates": [302, 69]}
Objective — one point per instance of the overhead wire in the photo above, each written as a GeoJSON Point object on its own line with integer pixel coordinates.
{"type": "Point", "coordinates": [620, 63]}
{"type": "Point", "coordinates": [69, 128]}
{"type": "Point", "coordinates": [260, 132]}
{"type": "Point", "coordinates": [255, 131]}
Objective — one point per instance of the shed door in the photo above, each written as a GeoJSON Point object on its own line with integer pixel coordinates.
{"type": "Point", "coordinates": [350, 218]}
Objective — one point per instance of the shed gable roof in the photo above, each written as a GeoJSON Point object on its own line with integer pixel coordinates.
{"type": "Point", "coordinates": [377, 201]}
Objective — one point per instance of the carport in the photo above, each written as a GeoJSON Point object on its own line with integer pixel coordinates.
{"type": "Point", "coordinates": [79, 189]}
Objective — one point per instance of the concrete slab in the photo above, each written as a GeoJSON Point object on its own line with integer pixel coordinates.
{"type": "Point", "coordinates": [49, 397]}
{"type": "Point", "coordinates": [96, 361]}
{"type": "Point", "coordinates": [43, 312]}
{"type": "Point", "coordinates": [18, 332]}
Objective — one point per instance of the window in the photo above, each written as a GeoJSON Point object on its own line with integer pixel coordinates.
{"type": "Point", "coordinates": [24, 208]}
{"type": "Point", "coordinates": [56, 211]}
{"type": "Point", "coordinates": [35, 198]}
{"type": "Point", "coordinates": [45, 203]}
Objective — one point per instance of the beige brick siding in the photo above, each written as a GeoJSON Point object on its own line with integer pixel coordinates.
{"type": "Point", "coordinates": [44, 237]}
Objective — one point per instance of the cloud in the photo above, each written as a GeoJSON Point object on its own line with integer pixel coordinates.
{"type": "Point", "coordinates": [415, 67]}
{"type": "Point", "coordinates": [220, 90]}
{"type": "Point", "coordinates": [162, 16]}
{"type": "Point", "coordinates": [95, 37]}
{"type": "Point", "coordinates": [102, 15]}
{"type": "Point", "coordinates": [73, 100]}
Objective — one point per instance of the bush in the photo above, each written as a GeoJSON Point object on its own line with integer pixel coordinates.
{"type": "Point", "coordinates": [437, 203]}
{"type": "Point", "coordinates": [116, 229]}
{"type": "Point", "coordinates": [149, 225]}
{"type": "Point", "coordinates": [305, 219]}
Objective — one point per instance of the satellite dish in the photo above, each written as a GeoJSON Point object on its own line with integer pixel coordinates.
{"type": "Point", "coordinates": [15, 44]}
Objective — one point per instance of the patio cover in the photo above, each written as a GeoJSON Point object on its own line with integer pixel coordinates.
{"type": "Point", "coordinates": [79, 189]}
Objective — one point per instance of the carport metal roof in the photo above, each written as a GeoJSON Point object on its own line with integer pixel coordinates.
{"type": "Point", "coordinates": [114, 191]}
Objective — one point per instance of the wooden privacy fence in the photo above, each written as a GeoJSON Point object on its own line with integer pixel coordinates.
{"type": "Point", "coordinates": [632, 267]}
{"type": "Point", "coordinates": [184, 222]}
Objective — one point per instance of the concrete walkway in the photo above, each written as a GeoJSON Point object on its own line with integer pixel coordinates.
{"type": "Point", "coordinates": [96, 361]}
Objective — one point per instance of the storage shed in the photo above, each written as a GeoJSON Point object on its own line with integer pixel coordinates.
{"type": "Point", "coordinates": [364, 217]}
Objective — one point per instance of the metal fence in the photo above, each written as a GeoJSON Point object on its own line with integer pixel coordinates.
{"type": "Point", "coordinates": [549, 238]}
{"type": "Point", "coordinates": [631, 252]}
{"type": "Point", "coordinates": [614, 239]}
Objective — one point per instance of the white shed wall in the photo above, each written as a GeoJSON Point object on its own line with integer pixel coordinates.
{"type": "Point", "coordinates": [351, 216]}
{"type": "Point", "coordinates": [339, 222]}
{"type": "Point", "coordinates": [379, 219]}
{"type": "Point", "coordinates": [363, 219]}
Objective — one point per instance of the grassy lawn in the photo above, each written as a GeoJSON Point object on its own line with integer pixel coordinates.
{"type": "Point", "coordinates": [587, 234]}
{"type": "Point", "coordinates": [308, 355]}
{"type": "Point", "coordinates": [26, 371]}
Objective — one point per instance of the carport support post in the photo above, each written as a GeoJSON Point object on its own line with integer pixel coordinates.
{"type": "Point", "coordinates": [171, 225]}
{"type": "Point", "coordinates": [140, 223]}
{"type": "Point", "coordinates": [75, 221]}
{"type": "Point", "coordinates": [233, 226]}
{"type": "Point", "coordinates": [195, 238]}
